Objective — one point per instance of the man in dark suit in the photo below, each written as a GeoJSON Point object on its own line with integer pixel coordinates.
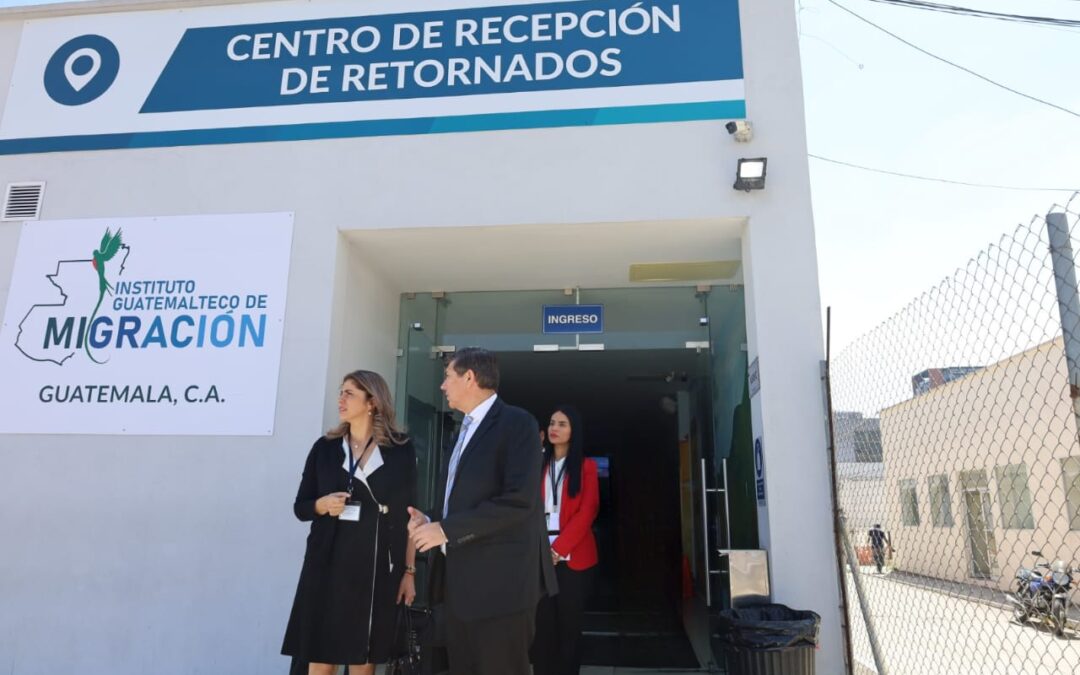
{"type": "Point", "coordinates": [879, 539]}
{"type": "Point", "coordinates": [488, 526]}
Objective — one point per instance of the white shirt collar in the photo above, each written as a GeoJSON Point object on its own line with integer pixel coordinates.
{"type": "Point", "coordinates": [549, 489]}
{"type": "Point", "coordinates": [373, 462]}
{"type": "Point", "coordinates": [480, 412]}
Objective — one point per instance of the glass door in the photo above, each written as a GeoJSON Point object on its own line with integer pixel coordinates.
{"type": "Point", "coordinates": [420, 404]}
{"type": "Point", "coordinates": [980, 522]}
{"type": "Point", "coordinates": [980, 533]}
{"type": "Point", "coordinates": [727, 465]}
{"type": "Point", "coordinates": [708, 533]}
{"type": "Point", "coordinates": [662, 352]}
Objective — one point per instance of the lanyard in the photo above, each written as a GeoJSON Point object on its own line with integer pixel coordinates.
{"type": "Point", "coordinates": [555, 482]}
{"type": "Point", "coordinates": [355, 462]}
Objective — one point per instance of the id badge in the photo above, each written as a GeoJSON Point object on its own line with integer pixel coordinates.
{"type": "Point", "coordinates": [351, 512]}
{"type": "Point", "coordinates": [553, 522]}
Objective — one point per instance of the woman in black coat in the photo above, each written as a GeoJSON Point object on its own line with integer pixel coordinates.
{"type": "Point", "coordinates": [358, 481]}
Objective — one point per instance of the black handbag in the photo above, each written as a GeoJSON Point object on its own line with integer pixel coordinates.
{"type": "Point", "coordinates": [407, 642]}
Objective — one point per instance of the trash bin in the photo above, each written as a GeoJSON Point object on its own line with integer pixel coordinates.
{"type": "Point", "coordinates": [769, 640]}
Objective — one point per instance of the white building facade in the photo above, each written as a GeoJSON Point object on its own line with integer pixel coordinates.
{"type": "Point", "coordinates": [299, 188]}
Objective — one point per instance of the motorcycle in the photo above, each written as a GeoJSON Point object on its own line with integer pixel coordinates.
{"type": "Point", "coordinates": [1043, 593]}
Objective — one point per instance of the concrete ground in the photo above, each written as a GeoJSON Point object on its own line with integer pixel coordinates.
{"type": "Point", "coordinates": [932, 632]}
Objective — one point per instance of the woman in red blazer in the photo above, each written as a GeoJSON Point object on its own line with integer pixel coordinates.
{"type": "Point", "coordinates": [571, 492]}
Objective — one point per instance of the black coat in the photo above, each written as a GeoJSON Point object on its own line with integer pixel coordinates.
{"type": "Point", "coordinates": [345, 606]}
{"type": "Point", "coordinates": [497, 559]}
{"type": "Point", "coordinates": [394, 485]}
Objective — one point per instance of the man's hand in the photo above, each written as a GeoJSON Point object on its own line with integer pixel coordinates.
{"type": "Point", "coordinates": [416, 519]}
{"type": "Point", "coordinates": [427, 536]}
{"type": "Point", "coordinates": [332, 504]}
{"type": "Point", "coordinates": [555, 557]}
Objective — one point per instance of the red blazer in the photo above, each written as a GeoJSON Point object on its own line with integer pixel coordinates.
{"type": "Point", "coordinates": [576, 516]}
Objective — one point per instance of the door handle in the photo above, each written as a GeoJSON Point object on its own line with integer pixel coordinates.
{"type": "Point", "coordinates": [705, 533]}
{"type": "Point", "coordinates": [705, 492]}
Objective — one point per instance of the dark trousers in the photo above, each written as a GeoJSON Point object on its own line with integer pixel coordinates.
{"type": "Point", "coordinates": [879, 557]}
{"type": "Point", "coordinates": [557, 647]}
{"type": "Point", "coordinates": [495, 646]}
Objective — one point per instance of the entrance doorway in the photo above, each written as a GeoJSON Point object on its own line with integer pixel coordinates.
{"type": "Point", "coordinates": [628, 401]}
{"type": "Point", "coordinates": [660, 387]}
{"type": "Point", "coordinates": [980, 523]}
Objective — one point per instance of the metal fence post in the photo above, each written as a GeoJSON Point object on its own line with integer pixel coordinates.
{"type": "Point", "coordinates": [1061, 256]}
{"type": "Point", "coordinates": [826, 390]}
{"type": "Point", "coordinates": [856, 576]}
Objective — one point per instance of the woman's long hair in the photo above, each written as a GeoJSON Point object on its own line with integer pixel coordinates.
{"type": "Point", "coordinates": [576, 456]}
{"type": "Point", "coordinates": [383, 418]}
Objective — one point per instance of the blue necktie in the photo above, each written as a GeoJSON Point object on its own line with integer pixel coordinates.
{"type": "Point", "coordinates": [455, 457]}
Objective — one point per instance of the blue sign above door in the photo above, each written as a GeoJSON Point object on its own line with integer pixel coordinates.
{"type": "Point", "coordinates": [573, 319]}
{"type": "Point", "coordinates": [296, 70]}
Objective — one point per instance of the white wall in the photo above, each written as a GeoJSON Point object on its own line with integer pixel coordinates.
{"type": "Point", "coordinates": [180, 555]}
{"type": "Point", "coordinates": [782, 299]}
{"type": "Point", "coordinates": [365, 321]}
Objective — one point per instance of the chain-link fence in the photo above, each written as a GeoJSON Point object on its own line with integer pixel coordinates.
{"type": "Point", "coordinates": [956, 458]}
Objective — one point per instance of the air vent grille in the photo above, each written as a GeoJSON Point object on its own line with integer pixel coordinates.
{"type": "Point", "coordinates": [22, 201]}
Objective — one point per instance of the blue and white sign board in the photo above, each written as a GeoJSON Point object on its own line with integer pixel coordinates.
{"type": "Point", "coordinates": [300, 70]}
{"type": "Point", "coordinates": [562, 319]}
{"type": "Point", "coordinates": [759, 472]}
{"type": "Point", "coordinates": [169, 325]}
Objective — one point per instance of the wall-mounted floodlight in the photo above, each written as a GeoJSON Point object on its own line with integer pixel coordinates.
{"type": "Point", "coordinates": [751, 174]}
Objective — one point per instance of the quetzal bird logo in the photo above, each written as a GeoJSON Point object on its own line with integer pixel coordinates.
{"type": "Point", "coordinates": [110, 246]}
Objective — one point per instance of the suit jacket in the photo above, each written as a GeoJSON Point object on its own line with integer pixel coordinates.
{"type": "Point", "coordinates": [576, 516]}
{"type": "Point", "coordinates": [496, 560]}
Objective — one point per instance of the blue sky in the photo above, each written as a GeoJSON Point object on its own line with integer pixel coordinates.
{"type": "Point", "coordinates": [872, 100]}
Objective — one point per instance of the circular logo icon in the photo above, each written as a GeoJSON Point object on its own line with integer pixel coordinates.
{"type": "Point", "coordinates": [82, 70]}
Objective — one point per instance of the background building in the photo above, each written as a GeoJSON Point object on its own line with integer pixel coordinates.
{"type": "Point", "coordinates": [969, 507]}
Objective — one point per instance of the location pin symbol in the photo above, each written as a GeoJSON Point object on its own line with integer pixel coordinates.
{"type": "Point", "coordinates": [76, 80]}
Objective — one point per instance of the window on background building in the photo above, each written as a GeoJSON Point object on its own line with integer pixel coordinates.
{"type": "Point", "coordinates": [868, 446]}
{"type": "Point", "coordinates": [940, 505]}
{"type": "Point", "coordinates": [909, 503]}
{"type": "Point", "coordinates": [974, 479]}
{"type": "Point", "coordinates": [1070, 474]}
{"type": "Point", "coordinates": [1014, 497]}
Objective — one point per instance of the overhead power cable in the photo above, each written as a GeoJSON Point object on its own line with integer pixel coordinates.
{"type": "Point", "coordinates": [965, 69]}
{"type": "Point", "coordinates": [983, 14]}
{"type": "Point", "coordinates": [941, 180]}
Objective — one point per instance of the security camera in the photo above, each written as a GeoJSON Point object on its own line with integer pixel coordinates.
{"type": "Point", "coordinates": [742, 130]}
